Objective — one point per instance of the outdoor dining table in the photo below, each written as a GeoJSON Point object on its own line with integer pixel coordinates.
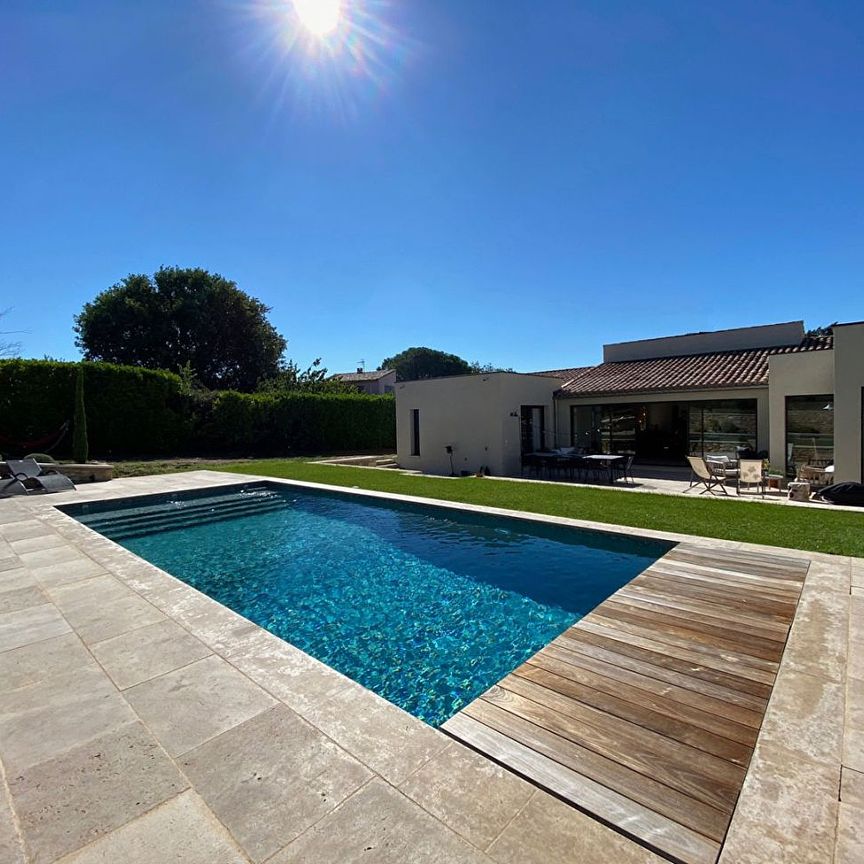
{"type": "Point", "coordinates": [607, 459]}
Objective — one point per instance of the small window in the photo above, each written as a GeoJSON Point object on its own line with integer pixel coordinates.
{"type": "Point", "coordinates": [415, 431]}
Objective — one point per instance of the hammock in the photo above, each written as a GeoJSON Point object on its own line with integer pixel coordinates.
{"type": "Point", "coordinates": [46, 442]}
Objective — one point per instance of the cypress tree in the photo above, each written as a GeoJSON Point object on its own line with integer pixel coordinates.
{"type": "Point", "coordinates": [79, 432]}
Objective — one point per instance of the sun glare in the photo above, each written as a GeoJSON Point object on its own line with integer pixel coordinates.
{"type": "Point", "coordinates": [319, 17]}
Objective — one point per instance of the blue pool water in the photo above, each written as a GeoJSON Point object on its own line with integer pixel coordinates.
{"type": "Point", "coordinates": [426, 606]}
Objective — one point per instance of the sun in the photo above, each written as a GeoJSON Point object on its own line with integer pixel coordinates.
{"type": "Point", "coordinates": [319, 17]}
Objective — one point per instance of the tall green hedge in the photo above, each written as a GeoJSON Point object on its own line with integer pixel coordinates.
{"type": "Point", "coordinates": [130, 411]}
{"type": "Point", "coordinates": [144, 412]}
{"type": "Point", "coordinates": [298, 422]}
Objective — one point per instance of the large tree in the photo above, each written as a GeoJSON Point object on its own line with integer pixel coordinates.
{"type": "Point", "coordinates": [183, 318]}
{"type": "Point", "coordinates": [414, 363]}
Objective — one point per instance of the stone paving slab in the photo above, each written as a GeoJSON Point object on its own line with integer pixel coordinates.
{"type": "Point", "coordinates": [190, 705]}
{"type": "Point", "coordinates": [381, 825]}
{"type": "Point", "coordinates": [547, 831]}
{"type": "Point", "coordinates": [148, 652]}
{"type": "Point", "coordinates": [182, 831]}
{"type": "Point", "coordinates": [42, 720]}
{"type": "Point", "coordinates": [271, 778]}
{"type": "Point", "coordinates": [32, 663]}
{"type": "Point", "coordinates": [24, 626]}
{"type": "Point", "coordinates": [11, 848]}
{"type": "Point", "coordinates": [481, 806]}
{"type": "Point", "coordinates": [71, 799]}
{"type": "Point", "coordinates": [224, 703]}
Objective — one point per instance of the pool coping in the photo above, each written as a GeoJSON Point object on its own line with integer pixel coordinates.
{"type": "Point", "coordinates": [792, 747]}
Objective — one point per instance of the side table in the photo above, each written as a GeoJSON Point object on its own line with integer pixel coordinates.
{"type": "Point", "coordinates": [799, 490]}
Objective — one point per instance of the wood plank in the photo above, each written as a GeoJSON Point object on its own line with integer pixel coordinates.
{"type": "Point", "coordinates": [686, 726]}
{"type": "Point", "coordinates": [711, 589]}
{"type": "Point", "coordinates": [791, 567]}
{"type": "Point", "coordinates": [721, 622]}
{"type": "Point", "coordinates": [655, 591]}
{"type": "Point", "coordinates": [662, 799]}
{"type": "Point", "coordinates": [707, 634]}
{"type": "Point", "coordinates": [672, 692]}
{"type": "Point", "coordinates": [573, 680]}
{"type": "Point", "coordinates": [631, 818]}
{"type": "Point", "coordinates": [682, 661]}
{"type": "Point", "coordinates": [663, 634]}
{"type": "Point", "coordinates": [697, 655]}
{"type": "Point", "coordinates": [573, 649]}
{"type": "Point", "coordinates": [700, 775]}
{"type": "Point", "coordinates": [777, 557]}
{"type": "Point", "coordinates": [760, 584]}
{"type": "Point", "coordinates": [655, 599]}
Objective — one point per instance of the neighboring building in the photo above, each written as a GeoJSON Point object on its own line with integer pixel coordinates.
{"type": "Point", "coordinates": [377, 383]}
{"type": "Point", "coordinates": [768, 388]}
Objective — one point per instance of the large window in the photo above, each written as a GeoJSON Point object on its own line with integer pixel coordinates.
{"type": "Point", "coordinates": [665, 432]}
{"type": "Point", "coordinates": [809, 431]}
{"type": "Point", "coordinates": [719, 427]}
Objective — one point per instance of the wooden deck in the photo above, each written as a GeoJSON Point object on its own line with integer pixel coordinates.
{"type": "Point", "coordinates": [645, 713]}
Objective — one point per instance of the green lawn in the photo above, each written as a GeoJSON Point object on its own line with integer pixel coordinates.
{"type": "Point", "coordinates": [839, 532]}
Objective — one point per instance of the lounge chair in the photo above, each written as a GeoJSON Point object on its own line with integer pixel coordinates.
{"type": "Point", "coordinates": [11, 486]}
{"type": "Point", "coordinates": [35, 479]}
{"type": "Point", "coordinates": [704, 476]}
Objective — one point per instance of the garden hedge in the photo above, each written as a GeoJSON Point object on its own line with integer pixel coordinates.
{"type": "Point", "coordinates": [145, 412]}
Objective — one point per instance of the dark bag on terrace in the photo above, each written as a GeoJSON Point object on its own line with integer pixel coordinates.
{"type": "Point", "coordinates": [843, 493]}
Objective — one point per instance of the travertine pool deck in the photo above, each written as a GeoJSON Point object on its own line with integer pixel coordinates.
{"type": "Point", "coordinates": [141, 721]}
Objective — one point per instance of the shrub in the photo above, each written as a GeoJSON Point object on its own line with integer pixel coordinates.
{"type": "Point", "coordinates": [301, 422]}
{"type": "Point", "coordinates": [144, 412]}
{"type": "Point", "coordinates": [130, 411]}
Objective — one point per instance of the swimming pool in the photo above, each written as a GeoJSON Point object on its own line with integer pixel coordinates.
{"type": "Point", "coordinates": [427, 606]}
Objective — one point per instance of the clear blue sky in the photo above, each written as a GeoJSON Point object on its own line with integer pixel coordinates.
{"type": "Point", "coordinates": [513, 182]}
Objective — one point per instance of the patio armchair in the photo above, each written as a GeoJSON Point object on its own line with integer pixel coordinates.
{"type": "Point", "coordinates": [819, 476]}
{"type": "Point", "coordinates": [702, 475]}
{"type": "Point", "coordinates": [751, 472]}
{"type": "Point", "coordinates": [722, 466]}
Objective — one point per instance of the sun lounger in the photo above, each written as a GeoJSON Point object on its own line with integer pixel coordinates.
{"type": "Point", "coordinates": [34, 478]}
{"type": "Point", "coordinates": [11, 486]}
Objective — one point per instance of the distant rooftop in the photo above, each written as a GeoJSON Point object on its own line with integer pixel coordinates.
{"type": "Point", "coordinates": [360, 375]}
{"type": "Point", "coordinates": [564, 374]}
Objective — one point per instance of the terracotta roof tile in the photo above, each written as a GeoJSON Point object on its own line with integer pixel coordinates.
{"type": "Point", "coordinates": [355, 377]}
{"type": "Point", "coordinates": [718, 370]}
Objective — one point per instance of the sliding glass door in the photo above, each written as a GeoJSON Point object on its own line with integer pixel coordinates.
{"type": "Point", "coordinates": [665, 432]}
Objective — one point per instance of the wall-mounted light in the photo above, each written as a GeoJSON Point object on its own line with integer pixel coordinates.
{"type": "Point", "coordinates": [828, 407]}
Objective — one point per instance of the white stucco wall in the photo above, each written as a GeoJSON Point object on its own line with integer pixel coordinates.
{"type": "Point", "coordinates": [809, 373]}
{"type": "Point", "coordinates": [471, 413]}
{"type": "Point", "coordinates": [848, 381]}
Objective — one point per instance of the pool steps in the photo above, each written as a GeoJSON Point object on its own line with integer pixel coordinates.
{"type": "Point", "coordinates": [155, 518]}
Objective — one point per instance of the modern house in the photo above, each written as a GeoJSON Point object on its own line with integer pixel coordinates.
{"type": "Point", "coordinates": [376, 383]}
{"type": "Point", "coordinates": [769, 388]}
